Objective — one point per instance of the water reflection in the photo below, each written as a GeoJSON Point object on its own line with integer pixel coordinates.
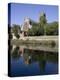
{"type": "Point", "coordinates": [37, 59]}
{"type": "Point", "coordinates": [15, 52]}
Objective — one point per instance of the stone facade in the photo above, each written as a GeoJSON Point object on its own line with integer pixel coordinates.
{"type": "Point", "coordinates": [25, 26]}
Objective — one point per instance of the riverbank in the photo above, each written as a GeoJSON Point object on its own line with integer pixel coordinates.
{"type": "Point", "coordinates": [41, 40]}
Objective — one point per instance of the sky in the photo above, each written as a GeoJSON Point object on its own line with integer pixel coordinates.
{"type": "Point", "coordinates": [20, 11]}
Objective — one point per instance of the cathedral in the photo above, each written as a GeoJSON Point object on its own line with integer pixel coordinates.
{"type": "Point", "coordinates": [25, 26]}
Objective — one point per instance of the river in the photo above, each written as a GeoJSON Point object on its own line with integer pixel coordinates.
{"type": "Point", "coordinates": [33, 60]}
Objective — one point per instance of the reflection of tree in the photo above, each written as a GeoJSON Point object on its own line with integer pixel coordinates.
{"type": "Point", "coordinates": [42, 63]}
{"type": "Point", "coordinates": [15, 53]}
{"type": "Point", "coordinates": [40, 56]}
{"type": "Point", "coordinates": [52, 57]}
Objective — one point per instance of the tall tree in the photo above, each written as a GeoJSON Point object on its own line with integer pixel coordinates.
{"type": "Point", "coordinates": [43, 21]}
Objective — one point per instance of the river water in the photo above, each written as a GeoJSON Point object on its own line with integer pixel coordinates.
{"type": "Point", "coordinates": [30, 61]}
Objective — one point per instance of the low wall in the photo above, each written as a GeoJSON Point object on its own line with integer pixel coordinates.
{"type": "Point", "coordinates": [40, 38]}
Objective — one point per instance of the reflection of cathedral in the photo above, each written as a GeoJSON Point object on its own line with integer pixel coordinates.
{"type": "Point", "coordinates": [26, 56]}
{"type": "Point", "coordinates": [17, 52]}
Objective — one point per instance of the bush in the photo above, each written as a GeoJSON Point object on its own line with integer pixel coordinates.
{"type": "Point", "coordinates": [17, 35]}
{"type": "Point", "coordinates": [53, 43]}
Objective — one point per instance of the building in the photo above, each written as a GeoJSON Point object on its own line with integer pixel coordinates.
{"type": "Point", "coordinates": [25, 26]}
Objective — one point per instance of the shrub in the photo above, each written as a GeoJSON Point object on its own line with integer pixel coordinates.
{"type": "Point", "coordinates": [53, 43]}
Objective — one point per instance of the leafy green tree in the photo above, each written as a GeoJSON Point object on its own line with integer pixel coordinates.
{"type": "Point", "coordinates": [52, 28]}
{"type": "Point", "coordinates": [9, 32]}
{"type": "Point", "coordinates": [43, 21]}
{"type": "Point", "coordinates": [33, 30]}
{"type": "Point", "coordinates": [16, 30]}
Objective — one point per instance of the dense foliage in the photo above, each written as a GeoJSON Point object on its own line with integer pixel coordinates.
{"type": "Point", "coordinates": [43, 28]}
{"type": "Point", "coordinates": [16, 30]}
{"type": "Point", "coordinates": [52, 28]}
{"type": "Point", "coordinates": [9, 32]}
{"type": "Point", "coordinates": [36, 30]}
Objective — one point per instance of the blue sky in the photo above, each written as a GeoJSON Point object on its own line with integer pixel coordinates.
{"type": "Point", "coordinates": [20, 11]}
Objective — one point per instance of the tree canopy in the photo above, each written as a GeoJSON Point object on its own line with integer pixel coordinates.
{"type": "Point", "coordinates": [43, 28]}
{"type": "Point", "coordinates": [16, 30]}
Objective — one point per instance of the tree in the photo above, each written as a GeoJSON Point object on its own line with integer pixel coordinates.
{"type": "Point", "coordinates": [43, 21]}
{"type": "Point", "coordinates": [16, 30]}
{"type": "Point", "coordinates": [36, 29]}
{"type": "Point", "coordinates": [9, 32]}
{"type": "Point", "coordinates": [52, 28]}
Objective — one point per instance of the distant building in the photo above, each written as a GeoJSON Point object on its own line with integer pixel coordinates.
{"type": "Point", "coordinates": [25, 27]}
